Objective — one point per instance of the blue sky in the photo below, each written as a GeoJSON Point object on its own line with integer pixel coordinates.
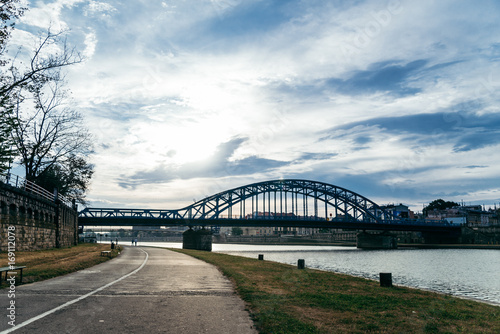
{"type": "Point", "coordinates": [395, 100]}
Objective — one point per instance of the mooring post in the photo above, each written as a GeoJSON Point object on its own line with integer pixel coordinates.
{"type": "Point", "coordinates": [386, 279]}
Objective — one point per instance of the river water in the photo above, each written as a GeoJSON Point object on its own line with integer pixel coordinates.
{"type": "Point", "coordinates": [471, 273]}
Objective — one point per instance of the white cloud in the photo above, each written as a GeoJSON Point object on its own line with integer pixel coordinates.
{"type": "Point", "coordinates": [96, 7]}
{"type": "Point", "coordinates": [167, 82]}
{"type": "Point", "coordinates": [90, 45]}
{"type": "Point", "coordinates": [47, 15]}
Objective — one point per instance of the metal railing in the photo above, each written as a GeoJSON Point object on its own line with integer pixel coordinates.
{"type": "Point", "coordinates": [28, 186]}
{"type": "Point", "coordinates": [126, 215]}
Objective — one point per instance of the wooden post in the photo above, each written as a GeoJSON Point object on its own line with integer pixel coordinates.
{"type": "Point", "coordinates": [386, 279]}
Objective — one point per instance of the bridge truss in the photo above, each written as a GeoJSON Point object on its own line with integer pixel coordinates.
{"type": "Point", "coordinates": [288, 202]}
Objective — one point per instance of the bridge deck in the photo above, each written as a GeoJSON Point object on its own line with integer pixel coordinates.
{"type": "Point", "coordinates": [384, 226]}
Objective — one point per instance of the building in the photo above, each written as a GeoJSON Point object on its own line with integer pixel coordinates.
{"type": "Point", "coordinates": [472, 215]}
{"type": "Point", "coordinates": [400, 210]}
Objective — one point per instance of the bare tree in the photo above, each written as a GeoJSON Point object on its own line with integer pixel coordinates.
{"type": "Point", "coordinates": [17, 80]}
{"type": "Point", "coordinates": [37, 125]}
{"type": "Point", "coordinates": [41, 64]}
{"type": "Point", "coordinates": [51, 137]}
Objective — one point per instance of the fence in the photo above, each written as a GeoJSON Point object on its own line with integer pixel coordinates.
{"type": "Point", "coordinates": [21, 183]}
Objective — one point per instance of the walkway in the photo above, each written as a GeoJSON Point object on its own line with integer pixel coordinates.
{"type": "Point", "coordinates": [145, 290]}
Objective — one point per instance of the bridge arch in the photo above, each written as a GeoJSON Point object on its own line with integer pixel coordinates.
{"type": "Point", "coordinates": [285, 199]}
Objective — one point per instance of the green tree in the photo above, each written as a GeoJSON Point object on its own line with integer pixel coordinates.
{"type": "Point", "coordinates": [236, 231]}
{"type": "Point", "coordinates": [71, 179]}
{"type": "Point", "coordinates": [10, 10]}
{"type": "Point", "coordinates": [439, 204]}
{"type": "Point", "coordinates": [7, 144]}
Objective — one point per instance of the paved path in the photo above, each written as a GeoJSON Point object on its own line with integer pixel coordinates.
{"type": "Point", "coordinates": [144, 290]}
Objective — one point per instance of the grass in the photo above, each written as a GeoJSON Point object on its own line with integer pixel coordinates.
{"type": "Point", "coordinates": [44, 264]}
{"type": "Point", "coordinates": [283, 299]}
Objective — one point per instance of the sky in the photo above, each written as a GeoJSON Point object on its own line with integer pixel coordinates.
{"type": "Point", "coordinates": [395, 100]}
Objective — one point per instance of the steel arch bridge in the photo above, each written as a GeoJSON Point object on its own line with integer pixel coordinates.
{"type": "Point", "coordinates": [298, 199]}
{"type": "Point", "coordinates": [288, 202]}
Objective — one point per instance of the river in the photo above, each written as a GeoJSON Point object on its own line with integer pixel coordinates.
{"type": "Point", "coordinates": [470, 273]}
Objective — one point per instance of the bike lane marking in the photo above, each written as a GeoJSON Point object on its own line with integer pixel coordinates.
{"type": "Point", "coordinates": [43, 315]}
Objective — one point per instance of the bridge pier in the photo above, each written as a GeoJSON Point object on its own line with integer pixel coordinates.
{"type": "Point", "coordinates": [199, 239]}
{"type": "Point", "coordinates": [376, 241]}
{"type": "Point", "coordinates": [442, 237]}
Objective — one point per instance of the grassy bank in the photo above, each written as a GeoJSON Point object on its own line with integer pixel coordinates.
{"type": "Point", "coordinates": [50, 263]}
{"type": "Point", "coordinates": [283, 299]}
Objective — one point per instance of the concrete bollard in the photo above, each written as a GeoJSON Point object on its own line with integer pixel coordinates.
{"type": "Point", "coordinates": [261, 257]}
{"type": "Point", "coordinates": [301, 264]}
{"type": "Point", "coordinates": [386, 279]}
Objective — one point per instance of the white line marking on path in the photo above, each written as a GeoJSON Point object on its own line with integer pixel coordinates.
{"type": "Point", "coordinates": [43, 315]}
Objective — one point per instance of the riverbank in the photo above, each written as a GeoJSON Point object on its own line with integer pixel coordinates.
{"type": "Point", "coordinates": [283, 299]}
{"type": "Point", "coordinates": [449, 246]}
{"type": "Point", "coordinates": [353, 244]}
{"type": "Point", "coordinates": [308, 241]}
{"type": "Point", "coordinates": [45, 264]}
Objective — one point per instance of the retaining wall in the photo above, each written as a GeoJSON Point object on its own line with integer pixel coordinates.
{"type": "Point", "coordinates": [35, 223]}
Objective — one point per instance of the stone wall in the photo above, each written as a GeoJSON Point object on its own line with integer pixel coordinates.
{"type": "Point", "coordinates": [35, 222]}
{"type": "Point", "coordinates": [376, 241]}
{"type": "Point", "coordinates": [486, 235]}
{"type": "Point", "coordinates": [199, 239]}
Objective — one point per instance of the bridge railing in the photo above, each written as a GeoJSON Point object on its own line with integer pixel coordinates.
{"type": "Point", "coordinates": [108, 213]}
{"type": "Point", "coordinates": [28, 186]}
{"type": "Point", "coordinates": [402, 221]}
